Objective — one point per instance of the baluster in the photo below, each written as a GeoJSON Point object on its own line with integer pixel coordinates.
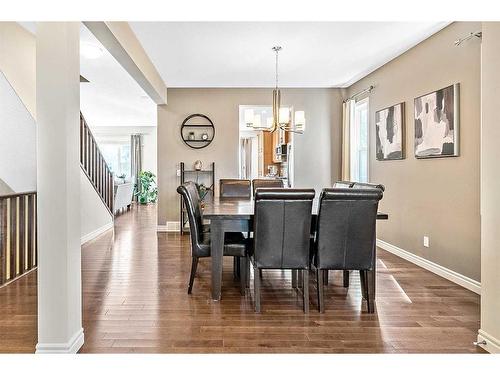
{"type": "Point", "coordinates": [35, 231]}
{"type": "Point", "coordinates": [13, 232]}
{"type": "Point", "coordinates": [81, 140]}
{"type": "Point", "coordinates": [3, 240]}
{"type": "Point", "coordinates": [29, 244]}
{"type": "Point", "coordinates": [21, 234]}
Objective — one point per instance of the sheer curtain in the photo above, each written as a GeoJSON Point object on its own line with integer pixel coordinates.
{"type": "Point", "coordinates": [347, 110]}
{"type": "Point", "coordinates": [246, 158]}
{"type": "Point", "coordinates": [136, 158]}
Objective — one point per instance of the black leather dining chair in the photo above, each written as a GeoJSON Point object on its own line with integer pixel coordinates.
{"type": "Point", "coordinates": [266, 183]}
{"type": "Point", "coordinates": [356, 185]}
{"type": "Point", "coordinates": [234, 188]}
{"type": "Point", "coordinates": [345, 237]}
{"type": "Point", "coordinates": [236, 246]}
{"type": "Point", "coordinates": [282, 223]}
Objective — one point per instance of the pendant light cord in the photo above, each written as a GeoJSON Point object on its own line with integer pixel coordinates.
{"type": "Point", "coordinates": [277, 50]}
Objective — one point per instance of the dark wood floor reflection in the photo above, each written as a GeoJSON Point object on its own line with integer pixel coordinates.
{"type": "Point", "coordinates": [135, 300]}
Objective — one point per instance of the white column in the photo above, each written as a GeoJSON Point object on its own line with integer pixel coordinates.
{"type": "Point", "coordinates": [490, 188]}
{"type": "Point", "coordinates": [58, 185]}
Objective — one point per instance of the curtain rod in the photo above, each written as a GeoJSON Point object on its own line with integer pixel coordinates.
{"type": "Point", "coordinates": [368, 89]}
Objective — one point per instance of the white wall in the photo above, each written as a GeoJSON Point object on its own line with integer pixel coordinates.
{"type": "Point", "coordinates": [94, 217]}
{"type": "Point", "coordinates": [17, 141]}
{"type": "Point", "coordinates": [17, 61]}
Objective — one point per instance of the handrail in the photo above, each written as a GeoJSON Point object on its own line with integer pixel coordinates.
{"type": "Point", "coordinates": [95, 167]}
{"type": "Point", "coordinates": [13, 195]}
{"type": "Point", "coordinates": [18, 232]}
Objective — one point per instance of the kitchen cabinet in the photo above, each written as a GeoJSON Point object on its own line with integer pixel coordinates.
{"type": "Point", "coordinates": [268, 150]}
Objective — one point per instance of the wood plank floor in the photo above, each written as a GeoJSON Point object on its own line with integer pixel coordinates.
{"type": "Point", "coordinates": [135, 301]}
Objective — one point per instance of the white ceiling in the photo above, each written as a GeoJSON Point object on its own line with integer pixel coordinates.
{"type": "Point", "coordinates": [112, 97]}
{"type": "Point", "coordinates": [238, 54]}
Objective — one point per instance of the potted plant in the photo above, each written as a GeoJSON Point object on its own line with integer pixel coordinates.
{"type": "Point", "coordinates": [202, 192]}
{"type": "Point", "coordinates": [147, 191]}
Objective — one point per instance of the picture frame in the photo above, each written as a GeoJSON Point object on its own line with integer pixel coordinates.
{"type": "Point", "coordinates": [390, 133]}
{"type": "Point", "coordinates": [437, 123]}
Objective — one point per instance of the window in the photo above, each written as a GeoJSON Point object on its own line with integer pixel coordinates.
{"type": "Point", "coordinates": [117, 155]}
{"type": "Point", "coordinates": [359, 141]}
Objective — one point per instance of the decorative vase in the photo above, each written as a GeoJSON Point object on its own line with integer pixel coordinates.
{"type": "Point", "coordinates": [198, 165]}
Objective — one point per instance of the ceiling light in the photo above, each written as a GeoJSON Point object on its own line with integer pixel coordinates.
{"type": "Point", "coordinates": [91, 51]}
{"type": "Point", "coordinates": [281, 118]}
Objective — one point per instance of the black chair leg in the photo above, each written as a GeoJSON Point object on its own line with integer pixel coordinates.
{"type": "Point", "coordinates": [236, 268]}
{"type": "Point", "coordinates": [194, 266]}
{"type": "Point", "coordinates": [363, 284]}
{"type": "Point", "coordinates": [346, 279]}
{"type": "Point", "coordinates": [294, 279]}
{"type": "Point", "coordinates": [243, 274]}
{"type": "Point", "coordinates": [370, 280]}
{"type": "Point", "coordinates": [325, 277]}
{"type": "Point", "coordinates": [319, 287]}
{"type": "Point", "coordinates": [256, 287]}
{"type": "Point", "coordinates": [305, 286]}
{"type": "Point", "coordinates": [249, 263]}
{"type": "Point", "coordinates": [300, 278]}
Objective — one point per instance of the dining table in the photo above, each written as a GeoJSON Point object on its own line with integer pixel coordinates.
{"type": "Point", "coordinates": [235, 215]}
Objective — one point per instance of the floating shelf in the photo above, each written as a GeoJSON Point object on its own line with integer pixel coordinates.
{"type": "Point", "coordinates": [197, 143]}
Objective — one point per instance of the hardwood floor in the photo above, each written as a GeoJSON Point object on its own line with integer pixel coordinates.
{"type": "Point", "coordinates": [135, 301]}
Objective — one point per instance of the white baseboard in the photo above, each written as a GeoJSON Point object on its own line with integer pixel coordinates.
{"type": "Point", "coordinates": [466, 282]}
{"type": "Point", "coordinates": [492, 343]}
{"type": "Point", "coordinates": [171, 226]}
{"type": "Point", "coordinates": [71, 347]}
{"type": "Point", "coordinates": [97, 232]}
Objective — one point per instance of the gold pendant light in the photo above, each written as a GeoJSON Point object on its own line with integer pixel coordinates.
{"type": "Point", "coordinates": [282, 118]}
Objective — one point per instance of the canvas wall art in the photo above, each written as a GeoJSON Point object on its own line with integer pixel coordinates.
{"type": "Point", "coordinates": [437, 123]}
{"type": "Point", "coordinates": [390, 133]}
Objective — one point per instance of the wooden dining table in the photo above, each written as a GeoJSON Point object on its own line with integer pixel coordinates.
{"type": "Point", "coordinates": [234, 215]}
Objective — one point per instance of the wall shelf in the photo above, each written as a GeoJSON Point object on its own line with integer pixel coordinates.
{"type": "Point", "coordinates": [204, 176]}
{"type": "Point", "coordinates": [188, 130]}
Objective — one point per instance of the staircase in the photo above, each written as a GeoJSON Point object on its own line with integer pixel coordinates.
{"type": "Point", "coordinates": [18, 245]}
{"type": "Point", "coordinates": [94, 166]}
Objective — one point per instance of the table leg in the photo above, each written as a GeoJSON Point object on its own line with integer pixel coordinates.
{"type": "Point", "coordinates": [217, 251]}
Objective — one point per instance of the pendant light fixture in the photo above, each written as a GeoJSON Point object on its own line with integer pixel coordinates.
{"type": "Point", "coordinates": [281, 118]}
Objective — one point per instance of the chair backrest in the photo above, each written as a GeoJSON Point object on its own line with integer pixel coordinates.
{"type": "Point", "coordinates": [345, 233]}
{"type": "Point", "coordinates": [282, 224]}
{"type": "Point", "coordinates": [234, 188]}
{"type": "Point", "coordinates": [189, 194]}
{"type": "Point", "coordinates": [359, 185]}
{"type": "Point", "coordinates": [266, 183]}
{"type": "Point", "coordinates": [343, 184]}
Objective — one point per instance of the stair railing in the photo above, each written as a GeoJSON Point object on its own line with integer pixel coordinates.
{"type": "Point", "coordinates": [95, 167]}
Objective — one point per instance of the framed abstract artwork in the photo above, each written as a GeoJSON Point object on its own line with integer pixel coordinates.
{"type": "Point", "coordinates": [390, 132]}
{"type": "Point", "coordinates": [437, 123]}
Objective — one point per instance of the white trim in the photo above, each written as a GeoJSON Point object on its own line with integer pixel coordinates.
{"type": "Point", "coordinates": [492, 343]}
{"type": "Point", "coordinates": [70, 347]}
{"type": "Point", "coordinates": [457, 278]}
{"type": "Point", "coordinates": [171, 226]}
{"type": "Point", "coordinates": [97, 232]}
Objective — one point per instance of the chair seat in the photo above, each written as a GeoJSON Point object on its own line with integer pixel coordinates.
{"type": "Point", "coordinates": [235, 244]}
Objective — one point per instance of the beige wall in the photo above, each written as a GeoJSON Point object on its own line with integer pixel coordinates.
{"type": "Point", "coordinates": [17, 61]}
{"type": "Point", "coordinates": [317, 152]}
{"type": "Point", "coordinates": [434, 197]}
{"type": "Point", "coordinates": [490, 188]}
